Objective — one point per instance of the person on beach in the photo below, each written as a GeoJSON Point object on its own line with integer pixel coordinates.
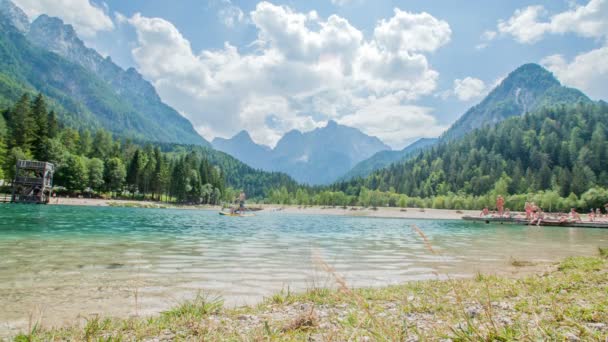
{"type": "Point", "coordinates": [500, 205]}
{"type": "Point", "coordinates": [241, 200]}
{"type": "Point", "coordinates": [598, 213]}
{"type": "Point", "coordinates": [508, 213]}
{"type": "Point", "coordinates": [574, 216]}
{"type": "Point", "coordinates": [484, 212]}
{"type": "Point", "coordinates": [592, 215]}
{"type": "Point", "coordinates": [528, 209]}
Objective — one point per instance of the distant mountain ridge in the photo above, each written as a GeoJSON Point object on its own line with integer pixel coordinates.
{"type": "Point", "coordinates": [316, 157]}
{"type": "Point", "coordinates": [384, 158]}
{"type": "Point", "coordinates": [250, 153]}
{"type": "Point", "coordinates": [526, 89]}
{"type": "Point", "coordinates": [89, 90]}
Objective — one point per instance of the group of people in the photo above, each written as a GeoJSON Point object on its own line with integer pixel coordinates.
{"type": "Point", "coordinates": [535, 215]}
{"type": "Point", "coordinates": [500, 209]}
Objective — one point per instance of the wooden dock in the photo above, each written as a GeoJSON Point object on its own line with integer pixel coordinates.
{"type": "Point", "coordinates": [545, 223]}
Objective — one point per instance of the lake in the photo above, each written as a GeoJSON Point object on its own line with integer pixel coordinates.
{"type": "Point", "coordinates": [59, 261]}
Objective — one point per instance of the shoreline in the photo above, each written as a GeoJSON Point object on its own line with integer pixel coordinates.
{"type": "Point", "coordinates": [350, 211]}
{"type": "Point", "coordinates": [544, 305]}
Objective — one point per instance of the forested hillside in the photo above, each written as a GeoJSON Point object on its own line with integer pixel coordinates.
{"type": "Point", "coordinates": [562, 148]}
{"type": "Point", "coordinates": [92, 161]}
{"type": "Point", "coordinates": [82, 99]}
{"type": "Point", "coordinates": [524, 90]}
{"type": "Point", "coordinates": [385, 158]}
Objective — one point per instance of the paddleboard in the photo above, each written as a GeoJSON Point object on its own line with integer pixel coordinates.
{"type": "Point", "coordinates": [236, 215]}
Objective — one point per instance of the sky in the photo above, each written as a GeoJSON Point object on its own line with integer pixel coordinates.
{"type": "Point", "coordinates": [398, 70]}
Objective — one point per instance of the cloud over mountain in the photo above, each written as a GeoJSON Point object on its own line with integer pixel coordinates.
{"type": "Point", "coordinates": [300, 71]}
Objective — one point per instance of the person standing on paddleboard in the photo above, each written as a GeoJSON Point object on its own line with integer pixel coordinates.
{"type": "Point", "coordinates": [242, 198]}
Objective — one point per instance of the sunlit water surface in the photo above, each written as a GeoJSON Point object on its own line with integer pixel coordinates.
{"type": "Point", "coordinates": [59, 262]}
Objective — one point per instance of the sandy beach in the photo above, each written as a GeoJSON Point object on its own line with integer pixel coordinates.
{"type": "Point", "coordinates": [382, 212]}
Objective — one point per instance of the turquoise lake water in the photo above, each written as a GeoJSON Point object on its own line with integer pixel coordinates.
{"type": "Point", "coordinates": [59, 262]}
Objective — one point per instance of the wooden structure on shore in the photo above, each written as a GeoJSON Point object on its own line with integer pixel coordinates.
{"type": "Point", "coordinates": [33, 182]}
{"type": "Point", "coordinates": [544, 222]}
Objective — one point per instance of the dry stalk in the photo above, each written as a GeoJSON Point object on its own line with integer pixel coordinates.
{"type": "Point", "coordinates": [343, 287]}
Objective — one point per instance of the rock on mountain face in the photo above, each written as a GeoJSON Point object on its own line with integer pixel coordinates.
{"type": "Point", "coordinates": [53, 35]}
{"type": "Point", "coordinates": [316, 157]}
{"type": "Point", "coordinates": [385, 158]}
{"type": "Point", "coordinates": [14, 15]}
{"type": "Point", "coordinates": [526, 89]}
{"type": "Point", "coordinates": [249, 152]}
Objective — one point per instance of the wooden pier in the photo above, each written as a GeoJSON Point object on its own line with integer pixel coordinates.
{"type": "Point", "coordinates": [544, 222]}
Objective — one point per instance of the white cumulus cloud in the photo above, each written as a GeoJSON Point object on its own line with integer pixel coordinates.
{"type": "Point", "coordinates": [304, 70]}
{"type": "Point", "coordinates": [588, 71]}
{"type": "Point", "coordinates": [469, 88]}
{"type": "Point", "coordinates": [406, 121]}
{"type": "Point", "coordinates": [230, 15]}
{"type": "Point", "coordinates": [530, 24]}
{"type": "Point", "coordinates": [406, 32]}
{"type": "Point", "coordinates": [87, 18]}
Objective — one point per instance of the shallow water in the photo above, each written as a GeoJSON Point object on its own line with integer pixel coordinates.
{"type": "Point", "coordinates": [59, 262]}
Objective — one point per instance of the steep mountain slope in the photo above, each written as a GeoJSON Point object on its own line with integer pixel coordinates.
{"type": "Point", "coordinates": [15, 16]}
{"type": "Point", "coordinates": [316, 157]}
{"type": "Point", "coordinates": [384, 158]}
{"type": "Point", "coordinates": [250, 153]}
{"type": "Point", "coordinates": [121, 101]}
{"type": "Point", "coordinates": [526, 89]}
{"type": "Point", "coordinates": [559, 147]}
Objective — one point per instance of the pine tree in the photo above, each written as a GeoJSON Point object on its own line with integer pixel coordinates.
{"type": "Point", "coordinates": [157, 181]}
{"type": "Point", "coordinates": [40, 117]}
{"type": "Point", "coordinates": [3, 150]}
{"type": "Point", "coordinates": [133, 172]}
{"type": "Point", "coordinates": [21, 124]}
{"type": "Point", "coordinates": [53, 125]}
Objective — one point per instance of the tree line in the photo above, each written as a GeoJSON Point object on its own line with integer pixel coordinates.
{"type": "Point", "coordinates": [95, 162]}
{"type": "Point", "coordinates": [557, 156]}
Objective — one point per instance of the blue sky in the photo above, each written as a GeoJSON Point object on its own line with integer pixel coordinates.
{"type": "Point", "coordinates": [399, 70]}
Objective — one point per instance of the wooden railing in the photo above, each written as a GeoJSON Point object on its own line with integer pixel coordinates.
{"type": "Point", "coordinates": [32, 164]}
{"type": "Point", "coordinates": [30, 181]}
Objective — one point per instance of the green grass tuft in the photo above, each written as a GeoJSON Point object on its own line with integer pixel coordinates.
{"type": "Point", "coordinates": [198, 308]}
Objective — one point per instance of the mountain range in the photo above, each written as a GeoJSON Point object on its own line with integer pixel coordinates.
{"type": "Point", "coordinates": [384, 158]}
{"type": "Point", "coordinates": [90, 91]}
{"type": "Point", "coordinates": [524, 90]}
{"type": "Point", "coordinates": [317, 157]}
{"type": "Point", "coordinates": [86, 89]}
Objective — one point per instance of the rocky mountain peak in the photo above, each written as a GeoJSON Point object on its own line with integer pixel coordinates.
{"type": "Point", "coordinates": [15, 15]}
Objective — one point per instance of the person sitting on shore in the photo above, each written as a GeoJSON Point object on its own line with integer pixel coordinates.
{"type": "Point", "coordinates": [573, 216]}
{"type": "Point", "coordinates": [537, 217]}
{"type": "Point", "coordinates": [598, 214]}
{"type": "Point", "coordinates": [591, 215]}
{"type": "Point", "coordinates": [485, 212]}
{"type": "Point", "coordinates": [508, 213]}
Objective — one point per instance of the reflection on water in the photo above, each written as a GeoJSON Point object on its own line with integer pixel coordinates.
{"type": "Point", "coordinates": [59, 262]}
